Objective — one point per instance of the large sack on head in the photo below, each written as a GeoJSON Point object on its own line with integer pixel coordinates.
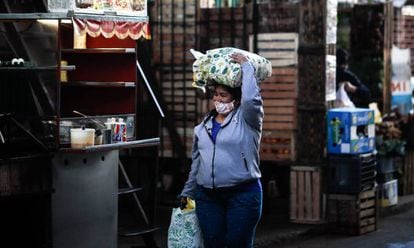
{"type": "Point", "coordinates": [218, 66]}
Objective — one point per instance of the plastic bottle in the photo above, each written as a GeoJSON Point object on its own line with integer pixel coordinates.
{"type": "Point", "coordinates": [120, 131]}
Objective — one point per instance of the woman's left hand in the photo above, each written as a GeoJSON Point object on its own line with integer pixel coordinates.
{"type": "Point", "coordinates": [238, 58]}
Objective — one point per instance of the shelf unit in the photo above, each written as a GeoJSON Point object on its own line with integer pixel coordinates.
{"type": "Point", "coordinates": [104, 82]}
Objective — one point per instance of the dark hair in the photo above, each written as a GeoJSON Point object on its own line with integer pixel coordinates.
{"type": "Point", "coordinates": [235, 92]}
{"type": "Point", "coordinates": [342, 56]}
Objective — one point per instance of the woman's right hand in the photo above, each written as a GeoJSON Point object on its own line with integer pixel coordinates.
{"type": "Point", "coordinates": [238, 58]}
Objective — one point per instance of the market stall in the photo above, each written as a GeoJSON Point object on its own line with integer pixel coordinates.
{"type": "Point", "coordinates": [85, 82]}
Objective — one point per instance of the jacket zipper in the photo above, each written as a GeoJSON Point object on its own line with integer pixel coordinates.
{"type": "Point", "coordinates": [214, 148]}
{"type": "Point", "coordinates": [245, 161]}
{"type": "Point", "coordinates": [212, 167]}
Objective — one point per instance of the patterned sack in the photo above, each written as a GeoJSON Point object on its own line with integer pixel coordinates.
{"type": "Point", "coordinates": [216, 65]}
{"type": "Point", "coordinates": [184, 230]}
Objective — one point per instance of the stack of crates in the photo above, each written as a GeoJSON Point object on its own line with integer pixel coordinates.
{"type": "Point", "coordinates": [352, 198]}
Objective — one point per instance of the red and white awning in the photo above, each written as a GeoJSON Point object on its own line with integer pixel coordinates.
{"type": "Point", "coordinates": [107, 28]}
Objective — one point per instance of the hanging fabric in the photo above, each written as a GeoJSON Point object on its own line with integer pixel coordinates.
{"type": "Point", "coordinates": [108, 29]}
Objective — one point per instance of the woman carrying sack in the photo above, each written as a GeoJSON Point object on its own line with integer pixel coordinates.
{"type": "Point", "coordinates": [225, 178]}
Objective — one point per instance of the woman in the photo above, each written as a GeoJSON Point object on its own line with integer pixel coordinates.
{"type": "Point", "coordinates": [225, 178]}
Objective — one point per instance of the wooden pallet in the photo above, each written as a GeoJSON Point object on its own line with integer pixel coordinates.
{"type": "Point", "coordinates": [355, 214]}
{"type": "Point", "coordinates": [305, 195]}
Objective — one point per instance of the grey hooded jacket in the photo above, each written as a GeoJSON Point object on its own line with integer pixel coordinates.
{"type": "Point", "coordinates": [234, 158]}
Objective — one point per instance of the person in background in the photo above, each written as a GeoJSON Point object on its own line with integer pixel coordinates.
{"type": "Point", "coordinates": [359, 94]}
{"type": "Point", "coordinates": [224, 179]}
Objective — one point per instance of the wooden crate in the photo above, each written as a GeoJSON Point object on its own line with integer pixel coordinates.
{"type": "Point", "coordinates": [278, 145]}
{"type": "Point", "coordinates": [353, 214]}
{"type": "Point", "coordinates": [279, 48]}
{"type": "Point", "coordinates": [406, 182]}
{"type": "Point", "coordinates": [279, 94]}
{"type": "Point", "coordinates": [305, 195]}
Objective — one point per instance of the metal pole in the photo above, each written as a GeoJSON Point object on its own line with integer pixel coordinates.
{"type": "Point", "coordinates": [150, 90]}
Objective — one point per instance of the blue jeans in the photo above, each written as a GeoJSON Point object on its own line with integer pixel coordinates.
{"type": "Point", "coordinates": [228, 218]}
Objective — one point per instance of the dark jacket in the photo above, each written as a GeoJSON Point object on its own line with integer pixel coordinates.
{"type": "Point", "coordinates": [362, 97]}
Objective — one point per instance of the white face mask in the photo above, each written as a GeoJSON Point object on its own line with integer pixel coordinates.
{"type": "Point", "coordinates": [224, 108]}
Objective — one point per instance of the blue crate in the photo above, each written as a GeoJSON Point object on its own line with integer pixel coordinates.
{"type": "Point", "coordinates": [350, 130]}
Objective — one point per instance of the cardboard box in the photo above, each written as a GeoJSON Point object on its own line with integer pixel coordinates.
{"type": "Point", "coordinates": [350, 130]}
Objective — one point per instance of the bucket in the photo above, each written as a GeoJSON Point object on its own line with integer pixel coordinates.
{"type": "Point", "coordinates": [82, 137]}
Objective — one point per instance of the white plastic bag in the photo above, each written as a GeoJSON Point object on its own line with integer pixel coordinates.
{"type": "Point", "coordinates": [184, 230]}
{"type": "Point", "coordinates": [342, 98]}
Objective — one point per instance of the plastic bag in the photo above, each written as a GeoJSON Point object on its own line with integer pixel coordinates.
{"type": "Point", "coordinates": [342, 98]}
{"type": "Point", "coordinates": [184, 230]}
{"type": "Point", "coordinates": [216, 65]}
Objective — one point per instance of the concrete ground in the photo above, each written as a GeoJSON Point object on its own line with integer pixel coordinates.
{"type": "Point", "coordinates": [274, 230]}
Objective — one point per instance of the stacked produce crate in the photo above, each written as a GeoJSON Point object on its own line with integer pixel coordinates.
{"type": "Point", "coordinates": [279, 94]}
{"type": "Point", "coordinates": [352, 199]}
{"type": "Point", "coordinates": [306, 201]}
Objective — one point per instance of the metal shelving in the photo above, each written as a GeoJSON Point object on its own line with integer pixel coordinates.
{"type": "Point", "coordinates": [71, 14]}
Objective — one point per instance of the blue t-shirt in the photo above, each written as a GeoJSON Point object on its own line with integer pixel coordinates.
{"type": "Point", "coordinates": [215, 129]}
